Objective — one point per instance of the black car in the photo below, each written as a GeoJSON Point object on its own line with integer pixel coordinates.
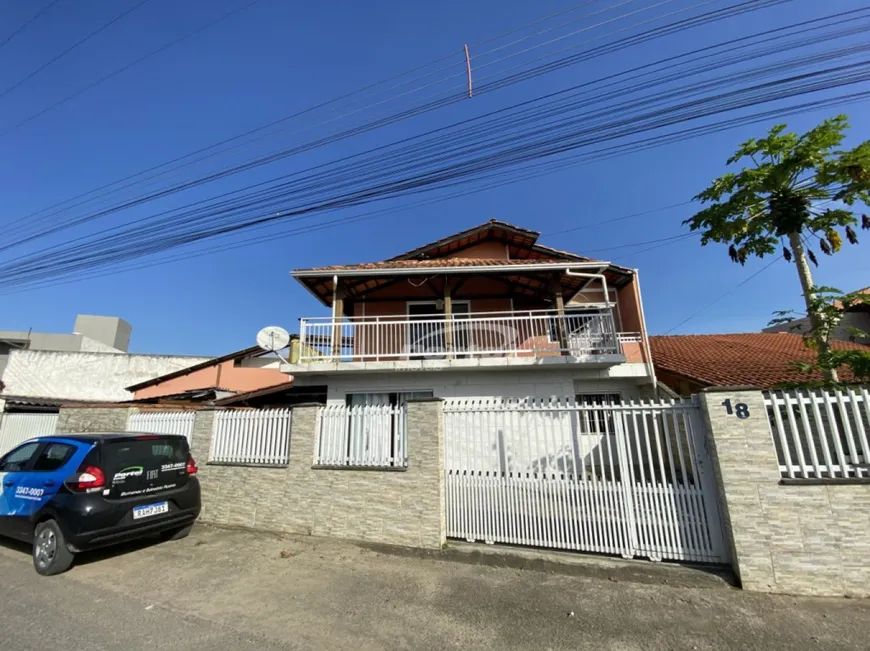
{"type": "Point", "coordinates": [75, 492]}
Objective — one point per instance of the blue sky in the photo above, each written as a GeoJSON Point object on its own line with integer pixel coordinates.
{"type": "Point", "coordinates": [275, 58]}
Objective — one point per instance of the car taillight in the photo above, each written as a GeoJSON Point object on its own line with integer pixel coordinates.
{"type": "Point", "coordinates": [191, 465]}
{"type": "Point", "coordinates": [87, 479]}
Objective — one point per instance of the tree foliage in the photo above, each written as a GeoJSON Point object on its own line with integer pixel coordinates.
{"type": "Point", "coordinates": [831, 305]}
{"type": "Point", "coordinates": [788, 189]}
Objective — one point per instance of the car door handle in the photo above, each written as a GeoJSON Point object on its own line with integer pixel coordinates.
{"type": "Point", "coordinates": [8, 482]}
{"type": "Point", "coordinates": [48, 482]}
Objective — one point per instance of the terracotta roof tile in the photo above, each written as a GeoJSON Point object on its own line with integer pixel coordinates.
{"type": "Point", "coordinates": [433, 263]}
{"type": "Point", "coordinates": [761, 359]}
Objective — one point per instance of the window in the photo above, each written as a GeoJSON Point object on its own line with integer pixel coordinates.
{"type": "Point", "coordinates": [598, 420]}
{"type": "Point", "coordinates": [369, 430]}
{"type": "Point", "coordinates": [18, 459]}
{"type": "Point", "coordinates": [52, 457]}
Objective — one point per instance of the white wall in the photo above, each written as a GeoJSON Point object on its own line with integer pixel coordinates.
{"type": "Point", "coordinates": [448, 384]}
{"type": "Point", "coordinates": [84, 375]}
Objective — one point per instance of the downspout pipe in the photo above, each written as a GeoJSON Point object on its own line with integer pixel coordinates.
{"type": "Point", "coordinates": [334, 293]}
{"type": "Point", "coordinates": [600, 277]}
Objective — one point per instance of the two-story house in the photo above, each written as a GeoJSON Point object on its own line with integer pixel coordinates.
{"type": "Point", "coordinates": [485, 312]}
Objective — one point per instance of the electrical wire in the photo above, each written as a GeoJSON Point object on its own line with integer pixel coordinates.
{"type": "Point", "coordinates": [723, 296]}
{"type": "Point", "coordinates": [72, 47]}
{"type": "Point", "coordinates": [743, 7]}
{"type": "Point", "coordinates": [27, 23]}
{"type": "Point", "coordinates": [480, 152]}
{"type": "Point", "coordinates": [758, 117]}
{"type": "Point", "coordinates": [126, 67]}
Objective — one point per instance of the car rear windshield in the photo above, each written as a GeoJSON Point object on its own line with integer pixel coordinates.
{"type": "Point", "coordinates": [147, 451]}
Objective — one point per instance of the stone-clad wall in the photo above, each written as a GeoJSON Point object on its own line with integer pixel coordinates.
{"type": "Point", "coordinates": [799, 539]}
{"type": "Point", "coordinates": [382, 506]}
{"type": "Point", "coordinates": [93, 419]}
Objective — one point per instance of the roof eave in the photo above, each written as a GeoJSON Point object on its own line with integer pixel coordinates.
{"type": "Point", "coordinates": [428, 271]}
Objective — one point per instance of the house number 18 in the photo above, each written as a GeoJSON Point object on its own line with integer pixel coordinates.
{"type": "Point", "coordinates": [741, 409]}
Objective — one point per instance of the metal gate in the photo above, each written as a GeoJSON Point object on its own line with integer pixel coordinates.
{"type": "Point", "coordinates": [17, 428]}
{"type": "Point", "coordinates": [633, 480]}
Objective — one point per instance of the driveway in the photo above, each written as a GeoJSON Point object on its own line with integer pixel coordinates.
{"type": "Point", "coordinates": [222, 589]}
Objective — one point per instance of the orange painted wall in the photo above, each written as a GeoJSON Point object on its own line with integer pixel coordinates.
{"type": "Point", "coordinates": [486, 250]}
{"type": "Point", "coordinates": [224, 375]}
{"type": "Point", "coordinates": [629, 308]}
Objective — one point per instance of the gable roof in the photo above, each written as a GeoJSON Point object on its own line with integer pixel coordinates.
{"type": "Point", "coordinates": [253, 351]}
{"type": "Point", "coordinates": [761, 359]}
{"type": "Point", "coordinates": [521, 243]}
{"type": "Point", "coordinates": [522, 250]}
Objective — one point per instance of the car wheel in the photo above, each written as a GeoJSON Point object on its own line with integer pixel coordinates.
{"type": "Point", "coordinates": [50, 553]}
{"type": "Point", "coordinates": [177, 534]}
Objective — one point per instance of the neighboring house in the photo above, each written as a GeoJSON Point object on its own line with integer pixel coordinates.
{"type": "Point", "coordinates": [688, 363]}
{"type": "Point", "coordinates": [42, 370]}
{"type": "Point", "coordinates": [485, 312]}
{"type": "Point", "coordinates": [856, 317]}
{"type": "Point", "coordinates": [91, 333]}
{"type": "Point", "coordinates": [243, 371]}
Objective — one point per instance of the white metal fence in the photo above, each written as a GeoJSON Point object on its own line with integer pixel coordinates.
{"type": "Point", "coordinates": [402, 337]}
{"type": "Point", "coordinates": [820, 434]}
{"type": "Point", "coordinates": [163, 422]}
{"type": "Point", "coordinates": [362, 435]}
{"type": "Point", "coordinates": [252, 437]}
{"type": "Point", "coordinates": [633, 480]}
{"type": "Point", "coordinates": [17, 428]}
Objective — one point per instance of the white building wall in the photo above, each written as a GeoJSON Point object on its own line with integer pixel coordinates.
{"type": "Point", "coordinates": [479, 384]}
{"type": "Point", "coordinates": [86, 376]}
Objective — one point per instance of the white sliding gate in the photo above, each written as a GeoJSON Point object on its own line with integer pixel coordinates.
{"type": "Point", "coordinates": [633, 479]}
{"type": "Point", "coordinates": [17, 428]}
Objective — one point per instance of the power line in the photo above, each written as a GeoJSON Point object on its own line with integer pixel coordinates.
{"type": "Point", "coordinates": [481, 150]}
{"type": "Point", "coordinates": [714, 15]}
{"type": "Point", "coordinates": [622, 218]}
{"type": "Point", "coordinates": [27, 24]}
{"type": "Point", "coordinates": [89, 264]}
{"type": "Point", "coordinates": [725, 295]}
{"type": "Point", "coordinates": [72, 47]}
{"type": "Point", "coordinates": [126, 67]}
{"type": "Point", "coordinates": [762, 116]}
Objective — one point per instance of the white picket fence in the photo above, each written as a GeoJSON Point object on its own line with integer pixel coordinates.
{"type": "Point", "coordinates": [17, 428]}
{"type": "Point", "coordinates": [251, 437]}
{"type": "Point", "coordinates": [362, 435]}
{"type": "Point", "coordinates": [820, 434]}
{"type": "Point", "coordinates": [163, 422]}
{"type": "Point", "coordinates": [632, 480]}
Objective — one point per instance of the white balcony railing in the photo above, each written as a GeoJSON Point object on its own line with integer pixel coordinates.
{"type": "Point", "coordinates": [496, 334]}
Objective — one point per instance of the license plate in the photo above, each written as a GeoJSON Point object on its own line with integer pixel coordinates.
{"type": "Point", "coordinates": [150, 509]}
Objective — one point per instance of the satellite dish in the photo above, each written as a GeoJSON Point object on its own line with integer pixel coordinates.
{"type": "Point", "coordinates": [273, 338]}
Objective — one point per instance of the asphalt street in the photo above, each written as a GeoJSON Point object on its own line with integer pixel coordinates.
{"type": "Point", "coordinates": [38, 613]}
{"type": "Point", "coordinates": [223, 589]}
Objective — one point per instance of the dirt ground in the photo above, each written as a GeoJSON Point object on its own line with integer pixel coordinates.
{"type": "Point", "coordinates": [309, 593]}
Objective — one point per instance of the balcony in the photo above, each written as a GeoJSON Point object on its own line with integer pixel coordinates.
{"type": "Point", "coordinates": [464, 340]}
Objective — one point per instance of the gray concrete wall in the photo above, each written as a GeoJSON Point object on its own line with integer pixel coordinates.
{"type": "Point", "coordinates": [108, 330]}
{"type": "Point", "coordinates": [797, 539]}
{"type": "Point", "coordinates": [93, 419]}
{"type": "Point", "coordinates": [96, 377]}
{"type": "Point", "coordinates": [382, 506]}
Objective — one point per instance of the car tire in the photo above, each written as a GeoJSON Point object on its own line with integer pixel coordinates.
{"type": "Point", "coordinates": [50, 553]}
{"type": "Point", "coordinates": [177, 534]}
